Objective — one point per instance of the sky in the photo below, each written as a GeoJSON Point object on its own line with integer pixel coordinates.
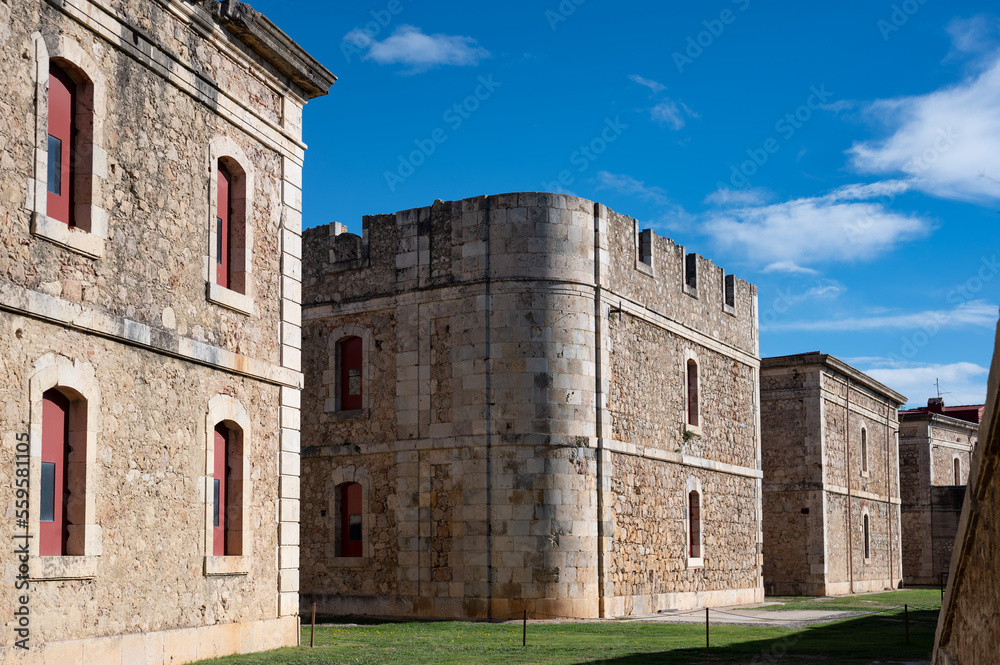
{"type": "Point", "coordinates": [844, 157]}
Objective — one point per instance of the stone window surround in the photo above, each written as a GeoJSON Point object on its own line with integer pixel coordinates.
{"type": "Point", "coordinates": [226, 409]}
{"type": "Point", "coordinates": [240, 167]}
{"type": "Point", "coordinates": [78, 381]}
{"type": "Point", "coordinates": [91, 161]}
{"type": "Point", "coordinates": [688, 427]}
{"type": "Point", "coordinates": [956, 461]}
{"type": "Point", "coordinates": [331, 377]}
{"type": "Point", "coordinates": [694, 485]}
{"type": "Point", "coordinates": [340, 477]}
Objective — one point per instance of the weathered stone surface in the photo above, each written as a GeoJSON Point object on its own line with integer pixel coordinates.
{"type": "Point", "coordinates": [523, 438]}
{"type": "Point", "coordinates": [929, 446]}
{"type": "Point", "coordinates": [830, 461]}
{"type": "Point", "coordinates": [114, 313]}
{"type": "Point", "coordinates": [968, 627]}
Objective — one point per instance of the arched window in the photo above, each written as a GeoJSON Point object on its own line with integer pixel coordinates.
{"type": "Point", "coordinates": [867, 536]}
{"type": "Point", "coordinates": [222, 227]}
{"type": "Point", "coordinates": [63, 474]}
{"type": "Point", "coordinates": [351, 389]}
{"type": "Point", "coordinates": [61, 145]}
{"type": "Point", "coordinates": [350, 533]}
{"type": "Point", "coordinates": [227, 491]}
{"type": "Point", "coordinates": [958, 471]}
{"type": "Point", "coordinates": [864, 450]}
{"type": "Point", "coordinates": [230, 226]}
{"type": "Point", "coordinates": [694, 525]}
{"type": "Point", "coordinates": [692, 392]}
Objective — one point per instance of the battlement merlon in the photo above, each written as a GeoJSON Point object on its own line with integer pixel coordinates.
{"type": "Point", "coordinates": [527, 236]}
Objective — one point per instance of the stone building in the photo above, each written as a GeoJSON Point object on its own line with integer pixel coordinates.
{"type": "Point", "coordinates": [149, 469]}
{"type": "Point", "coordinates": [968, 631]}
{"type": "Point", "coordinates": [525, 402]}
{"type": "Point", "coordinates": [935, 450]}
{"type": "Point", "coordinates": [831, 478]}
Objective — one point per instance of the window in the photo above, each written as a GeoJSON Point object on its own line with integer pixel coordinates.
{"type": "Point", "coordinates": [864, 451]}
{"type": "Point", "coordinates": [226, 486]}
{"type": "Point", "coordinates": [230, 231]}
{"type": "Point", "coordinates": [958, 471]}
{"type": "Point", "coordinates": [692, 392]}
{"type": "Point", "coordinates": [694, 525]}
{"type": "Point", "coordinates": [52, 502]}
{"type": "Point", "coordinates": [691, 275]}
{"type": "Point", "coordinates": [65, 190]}
{"type": "Point", "coordinates": [223, 241]}
{"type": "Point", "coordinates": [230, 228]}
{"type": "Point", "coordinates": [61, 145]}
{"type": "Point", "coordinates": [351, 539]}
{"type": "Point", "coordinates": [351, 388]}
{"type": "Point", "coordinates": [867, 538]}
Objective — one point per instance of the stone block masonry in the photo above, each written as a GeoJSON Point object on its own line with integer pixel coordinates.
{"type": "Point", "coordinates": [831, 478]}
{"type": "Point", "coordinates": [524, 437]}
{"type": "Point", "coordinates": [118, 310]}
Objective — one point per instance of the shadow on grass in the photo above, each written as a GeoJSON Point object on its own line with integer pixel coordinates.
{"type": "Point", "coordinates": [849, 642]}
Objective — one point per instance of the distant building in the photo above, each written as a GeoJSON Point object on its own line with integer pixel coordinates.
{"type": "Point", "coordinates": [968, 631]}
{"type": "Point", "coordinates": [525, 401]}
{"type": "Point", "coordinates": [935, 450]}
{"type": "Point", "coordinates": [831, 478]}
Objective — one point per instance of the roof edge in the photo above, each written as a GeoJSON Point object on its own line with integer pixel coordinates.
{"type": "Point", "coordinates": [270, 42]}
{"type": "Point", "coordinates": [836, 364]}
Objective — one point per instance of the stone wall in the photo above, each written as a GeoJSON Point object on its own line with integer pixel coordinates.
{"type": "Point", "coordinates": [968, 630]}
{"type": "Point", "coordinates": [929, 445]}
{"type": "Point", "coordinates": [121, 312]}
{"type": "Point", "coordinates": [514, 387]}
{"type": "Point", "coordinates": [819, 484]}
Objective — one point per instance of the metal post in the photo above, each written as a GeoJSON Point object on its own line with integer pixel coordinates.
{"type": "Point", "coordinates": [312, 633]}
{"type": "Point", "coordinates": [524, 630]}
{"type": "Point", "coordinates": [706, 629]}
{"type": "Point", "coordinates": [906, 620]}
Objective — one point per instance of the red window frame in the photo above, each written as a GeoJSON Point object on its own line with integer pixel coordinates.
{"type": "Point", "coordinates": [694, 525]}
{"type": "Point", "coordinates": [62, 128]}
{"type": "Point", "coordinates": [220, 477]}
{"type": "Point", "coordinates": [350, 507]}
{"type": "Point", "coordinates": [692, 393]}
{"type": "Point", "coordinates": [351, 386]}
{"type": "Point", "coordinates": [52, 534]}
{"type": "Point", "coordinates": [223, 218]}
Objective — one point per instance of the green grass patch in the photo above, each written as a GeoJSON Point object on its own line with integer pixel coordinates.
{"type": "Point", "coordinates": [852, 641]}
{"type": "Point", "coordinates": [868, 602]}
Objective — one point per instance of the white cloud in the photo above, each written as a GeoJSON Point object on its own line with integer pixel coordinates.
{"type": "Point", "coordinates": [789, 267]}
{"type": "Point", "coordinates": [965, 382]}
{"type": "Point", "coordinates": [946, 143]}
{"type": "Point", "coordinates": [813, 230]}
{"type": "Point", "coordinates": [672, 113]}
{"type": "Point", "coordinates": [655, 86]}
{"type": "Point", "coordinates": [974, 314]}
{"type": "Point", "coordinates": [974, 35]}
{"type": "Point", "coordinates": [626, 184]}
{"type": "Point", "coordinates": [739, 197]}
{"type": "Point", "coordinates": [408, 45]}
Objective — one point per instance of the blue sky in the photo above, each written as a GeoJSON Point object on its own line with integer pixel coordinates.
{"type": "Point", "coordinates": [844, 157]}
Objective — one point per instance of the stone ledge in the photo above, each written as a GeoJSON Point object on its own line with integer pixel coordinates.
{"type": "Point", "coordinates": [54, 568]}
{"type": "Point", "coordinates": [227, 565]}
{"type": "Point", "coordinates": [238, 302]}
{"type": "Point", "coordinates": [88, 244]}
{"type": "Point", "coordinates": [73, 315]}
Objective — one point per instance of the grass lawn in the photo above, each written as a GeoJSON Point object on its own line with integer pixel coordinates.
{"type": "Point", "coordinates": [853, 641]}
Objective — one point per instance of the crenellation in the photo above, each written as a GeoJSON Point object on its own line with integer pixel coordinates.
{"type": "Point", "coordinates": [495, 355]}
